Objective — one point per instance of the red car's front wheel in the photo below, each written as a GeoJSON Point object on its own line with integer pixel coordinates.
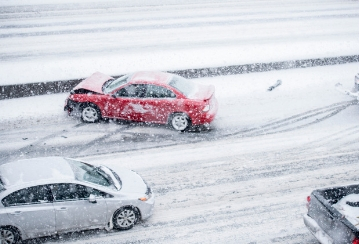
{"type": "Point", "coordinates": [90, 113]}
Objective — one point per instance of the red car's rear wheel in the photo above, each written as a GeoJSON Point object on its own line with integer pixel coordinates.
{"type": "Point", "coordinates": [180, 121]}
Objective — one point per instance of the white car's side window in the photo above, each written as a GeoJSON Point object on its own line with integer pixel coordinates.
{"type": "Point", "coordinates": [26, 196]}
{"type": "Point", "coordinates": [73, 192]}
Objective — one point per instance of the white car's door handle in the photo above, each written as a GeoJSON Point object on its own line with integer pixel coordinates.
{"type": "Point", "coordinates": [62, 209]}
{"type": "Point", "coordinates": [16, 213]}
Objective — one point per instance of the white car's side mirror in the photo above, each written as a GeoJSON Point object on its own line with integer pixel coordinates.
{"type": "Point", "coordinates": [92, 198]}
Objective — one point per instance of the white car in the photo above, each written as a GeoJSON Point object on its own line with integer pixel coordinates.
{"type": "Point", "coordinates": [51, 195]}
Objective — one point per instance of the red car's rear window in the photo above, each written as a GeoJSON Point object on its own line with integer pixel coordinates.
{"type": "Point", "coordinates": [186, 87]}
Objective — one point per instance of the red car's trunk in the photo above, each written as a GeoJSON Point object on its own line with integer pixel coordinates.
{"type": "Point", "coordinates": [204, 92]}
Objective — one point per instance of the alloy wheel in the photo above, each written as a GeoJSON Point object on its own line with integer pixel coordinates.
{"type": "Point", "coordinates": [180, 122]}
{"type": "Point", "coordinates": [6, 237]}
{"type": "Point", "coordinates": [126, 218]}
{"type": "Point", "coordinates": [89, 114]}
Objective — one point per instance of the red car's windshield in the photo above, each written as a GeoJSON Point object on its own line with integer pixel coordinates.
{"type": "Point", "coordinates": [113, 84]}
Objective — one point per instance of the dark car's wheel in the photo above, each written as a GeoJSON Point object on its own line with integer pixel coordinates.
{"type": "Point", "coordinates": [8, 235]}
{"type": "Point", "coordinates": [180, 121]}
{"type": "Point", "coordinates": [125, 218]}
{"type": "Point", "coordinates": [90, 113]}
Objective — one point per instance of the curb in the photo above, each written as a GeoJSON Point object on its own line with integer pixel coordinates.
{"type": "Point", "coordinates": [52, 87]}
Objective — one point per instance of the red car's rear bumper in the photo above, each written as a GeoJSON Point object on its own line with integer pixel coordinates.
{"type": "Point", "coordinates": [206, 117]}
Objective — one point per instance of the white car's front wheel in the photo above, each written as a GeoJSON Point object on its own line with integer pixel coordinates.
{"type": "Point", "coordinates": [180, 121]}
{"type": "Point", "coordinates": [125, 218]}
{"type": "Point", "coordinates": [8, 235]}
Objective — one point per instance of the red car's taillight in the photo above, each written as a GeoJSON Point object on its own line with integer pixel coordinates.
{"type": "Point", "coordinates": [355, 241]}
{"type": "Point", "coordinates": [206, 108]}
{"type": "Point", "coordinates": [308, 201]}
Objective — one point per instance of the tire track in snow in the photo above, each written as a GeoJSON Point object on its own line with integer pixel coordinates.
{"type": "Point", "coordinates": [116, 17]}
{"type": "Point", "coordinates": [238, 173]}
{"type": "Point", "coordinates": [164, 26]}
{"type": "Point", "coordinates": [258, 210]}
{"type": "Point", "coordinates": [348, 140]}
{"type": "Point", "coordinates": [248, 213]}
{"type": "Point", "coordinates": [291, 122]}
{"type": "Point", "coordinates": [121, 138]}
{"type": "Point", "coordinates": [38, 148]}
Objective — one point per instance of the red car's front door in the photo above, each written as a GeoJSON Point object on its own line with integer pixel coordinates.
{"type": "Point", "coordinates": [127, 103]}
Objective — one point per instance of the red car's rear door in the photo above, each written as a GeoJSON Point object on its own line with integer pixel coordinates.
{"type": "Point", "coordinates": [160, 102]}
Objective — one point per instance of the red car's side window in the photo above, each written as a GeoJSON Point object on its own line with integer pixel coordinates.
{"type": "Point", "coordinates": [134, 90]}
{"type": "Point", "coordinates": [154, 91]}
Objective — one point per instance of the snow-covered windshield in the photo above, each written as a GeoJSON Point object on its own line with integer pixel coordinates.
{"type": "Point", "coordinates": [186, 87]}
{"type": "Point", "coordinates": [113, 84]}
{"type": "Point", "coordinates": [88, 173]}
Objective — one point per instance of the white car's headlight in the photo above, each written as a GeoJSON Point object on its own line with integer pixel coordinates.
{"type": "Point", "coordinates": [148, 195]}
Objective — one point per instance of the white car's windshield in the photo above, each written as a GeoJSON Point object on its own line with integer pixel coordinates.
{"type": "Point", "coordinates": [88, 173]}
{"type": "Point", "coordinates": [186, 87]}
{"type": "Point", "coordinates": [113, 84]}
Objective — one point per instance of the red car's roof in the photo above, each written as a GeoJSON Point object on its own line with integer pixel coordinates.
{"type": "Point", "coordinates": [151, 76]}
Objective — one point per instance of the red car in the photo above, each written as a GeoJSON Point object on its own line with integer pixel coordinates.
{"type": "Point", "coordinates": [154, 97]}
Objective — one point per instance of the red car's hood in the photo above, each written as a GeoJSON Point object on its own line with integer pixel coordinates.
{"type": "Point", "coordinates": [203, 92]}
{"type": "Point", "coordinates": [94, 82]}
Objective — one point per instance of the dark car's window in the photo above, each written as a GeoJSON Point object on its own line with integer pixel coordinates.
{"type": "Point", "coordinates": [111, 85]}
{"type": "Point", "coordinates": [134, 90]}
{"type": "Point", "coordinates": [186, 87]}
{"type": "Point", "coordinates": [88, 173]}
{"type": "Point", "coordinates": [30, 195]}
{"type": "Point", "coordinates": [73, 192]}
{"type": "Point", "coordinates": [2, 188]}
{"type": "Point", "coordinates": [154, 91]}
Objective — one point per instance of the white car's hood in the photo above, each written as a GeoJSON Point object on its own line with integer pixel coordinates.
{"type": "Point", "coordinates": [131, 181]}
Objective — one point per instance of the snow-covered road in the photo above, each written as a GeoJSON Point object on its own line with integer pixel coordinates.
{"type": "Point", "coordinates": [244, 181]}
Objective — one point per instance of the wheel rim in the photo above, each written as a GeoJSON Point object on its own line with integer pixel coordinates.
{"type": "Point", "coordinates": [7, 237]}
{"type": "Point", "coordinates": [179, 122]}
{"type": "Point", "coordinates": [89, 114]}
{"type": "Point", "coordinates": [126, 218]}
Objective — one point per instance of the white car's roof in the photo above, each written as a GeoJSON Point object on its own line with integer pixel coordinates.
{"type": "Point", "coordinates": [36, 169]}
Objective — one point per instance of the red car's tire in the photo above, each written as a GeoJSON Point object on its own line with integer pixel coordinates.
{"type": "Point", "coordinates": [180, 121]}
{"type": "Point", "coordinates": [90, 113]}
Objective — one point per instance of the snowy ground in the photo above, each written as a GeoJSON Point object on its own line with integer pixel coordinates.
{"type": "Point", "coordinates": [73, 39]}
{"type": "Point", "coordinates": [244, 181]}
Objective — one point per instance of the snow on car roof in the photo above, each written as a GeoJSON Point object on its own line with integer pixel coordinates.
{"type": "Point", "coordinates": [36, 169]}
{"type": "Point", "coordinates": [151, 76]}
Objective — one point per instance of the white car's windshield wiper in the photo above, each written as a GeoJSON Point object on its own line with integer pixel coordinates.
{"type": "Point", "coordinates": [113, 177]}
